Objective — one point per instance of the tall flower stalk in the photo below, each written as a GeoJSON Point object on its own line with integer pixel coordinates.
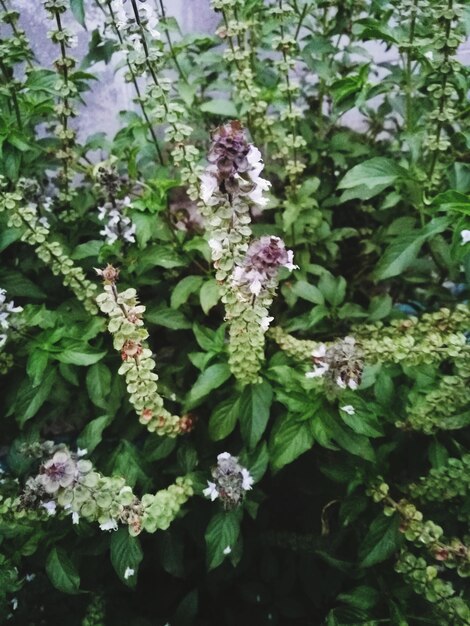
{"type": "Point", "coordinates": [129, 338]}
{"type": "Point", "coordinates": [66, 91]}
{"type": "Point", "coordinates": [247, 273]}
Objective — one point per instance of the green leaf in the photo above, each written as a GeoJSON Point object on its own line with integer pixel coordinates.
{"type": "Point", "coordinates": [169, 318]}
{"type": "Point", "coordinates": [30, 399]}
{"type": "Point", "coordinates": [125, 553]}
{"type": "Point", "coordinates": [92, 434]}
{"type": "Point", "coordinates": [78, 9]}
{"type": "Point", "coordinates": [254, 406]}
{"type": "Point", "coordinates": [223, 419]}
{"type": "Point", "coordinates": [222, 108]}
{"type": "Point", "coordinates": [381, 541]}
{"type": "Point", "coordinates": [403, 251]}
{"type": "Point", "coordinates": [333, 288]}
{"type": "Point", "coordinates": [182, 291]}
{"type": "Point", "coordinates": [289, 441]}
{"type": "Point", "coordinates": [222, 532]}
{"type": "Point", "coordinates": [79, 354]}
{"type": "Point", "coordinates": [98, 382]}
{"type": "Point", "coordinates": [308, 292]}
{"type": "Point", "coordinates": [209, 295]}
{"type": "Point", "coordinates": [214, 376]}
{"type": "Point", "coordinates": [62, 572]}
{"type": "Point", "coordinates": [362, 597]}
{"type": "Point", "coordinates": [88, 249]}
{"type": "Point", "coordinates": [374, 175]}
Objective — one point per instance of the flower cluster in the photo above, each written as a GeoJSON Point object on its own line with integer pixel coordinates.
{"type": "Point", "coordinates": [36, 232]}
{"type": "Point", "coordinates": [247, 301]}
{"type": "Point", "coordinates": [231, 481]}
{"type": "Point", "coordinates": [7, 310]}
{"type": "Point", "coordinates": [129, 335]}
{"type": "Point", "coordinates": [429, 339]}
{"type": "Point", "coordinates": [68, 483]}
{"type": "Point", "coordinates": [424, 580]}
{"type": "Point", "coordinates": [239, 22]}
{"type": "Point", "coordinates": [424, 533]}
{"type": "Point", "coordinates": [248, 274]}
{"type": "Point", "coordinates": [260, 267]}
{"type": "Point", "coordinates": [441, 408]}
{"type": "Point", "coordinates": [136, 28]}
{"type": "Point", "coordinates": [234, 167]}
{"type": "Point", "coordinates": [66, 91]}
{"type": "Point", "coordinates": [117, 225]}
{"type": "Point", "coordinates": [449, 481]}
{"type": "Point", "coordinates": [341, 363]}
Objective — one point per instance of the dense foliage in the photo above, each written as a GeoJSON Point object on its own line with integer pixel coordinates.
{"type": "Point", "coordinates": [256, 409]}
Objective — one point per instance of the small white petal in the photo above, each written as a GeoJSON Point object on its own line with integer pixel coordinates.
{"type": "Point", "coordinates": [227, 550]}
{"type": "Point", "coordinates": [109, 525]}
{"type": "Point", "coordinates": [465, 234]}
{"type": "Point", "coordinates": [211, 491]}
{"type": "Point", "coordinates": [75, 517]}
{"type": "Point", "coordinates": [349, 409]}
{"type": "Point", "coordinates": [50, 507]}
{"type": "Point", "coordinates": [248, 480]}
{"type": "Point", "coordinates": [82, 451]}
{"type": "Point", "coordinates": [129, 572]}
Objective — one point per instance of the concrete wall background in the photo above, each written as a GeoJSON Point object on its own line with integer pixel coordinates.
{"type": "Point", "coordinates": [111, 93]}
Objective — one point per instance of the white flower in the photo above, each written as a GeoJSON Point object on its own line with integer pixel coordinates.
{"type": "Point", "coordinates": [340, 382]}
{"type": "Point", "coordinates": [82, 452]}
{"type": "Point", "coordinates": [319, 370]}
{"type": "Point", "coordinates": [30, 577]}
{"type": "Point", "coordinates": [349, 409]}
{"type": "Point", "coordinates": [50, 507]}
{"type": "Point", "coordinates": [211, 491]}
{"type": "Point", "coordinates": [208, 185]}
{"type": "Point", "coordinates": [129, 572]}
{"type": "Point", "coordinates": [14, 603]}
{"type": "Point", "coordinates": [352, 384]}
{"type": "Point", "coordinates": [224, 455]}
{"type": "Point", "coordinates": [227, 550]}
{"type": "Point", "coordinates": [319, 352]}
{"type": "Point", "coordinates": [247, 479]}
{"type": "Point", "coordinates": [75, 517]}
{"type": "Point", "coordinates": [44, 222]}
{"type": "Point", "coordinates": [290, 265]}
{"type": "Point", "coordinates": [109, 524]}
{"type": "Point", "coordinates": [265, 322]}
{"type": "Point", "coordinates": [216, 248]}
{"type": "Point", "coordinates": [465, 234]}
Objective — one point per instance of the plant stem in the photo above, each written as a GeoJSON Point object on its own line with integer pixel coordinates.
{"type": "Point", "coordinates": [170, 44]}
{"type": "Point", "coordinates": [137, 89]}
{"type": "Point", "coordinates": [12, 90]}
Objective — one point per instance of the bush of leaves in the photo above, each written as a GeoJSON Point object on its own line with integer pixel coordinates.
{"type": "Point", "coordinates": [234, 356]}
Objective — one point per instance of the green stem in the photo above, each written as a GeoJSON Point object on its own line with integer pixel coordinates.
{"type": "Point", "coordinates": [170, 44]}
{"type": "Point", "coordinates": [12, 90]}
{"type": "Point", "coordinates": [137, 88]}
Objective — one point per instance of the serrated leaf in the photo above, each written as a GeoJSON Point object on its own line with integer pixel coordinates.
{"type": "Point", "coordinates": [92, 434]}
{"type": "Point", "coordinates": [308, 292]}
{"type": "Point", "coordinates": [30, 399]}
{"type": "Point", "coordinates": [209, 295]}
{"type": "Point", "coordinates": [254, 406]}
{"type": "Point", "coordinates": [126, 554]}
{"type": "Point", "coordinates": [375, 175]}
{"type": "Point", "coordinates": [381, 541]}
{"type": "Point", "coordinates": [169, 318]}
{"type": "Point", "coordinates": [223, 419]}
{"type": "Point", "coordinates": [98, 382]}
{"type": "Point", "coordinates": [62, 572]}
{"type": "Point", "coordinates": [222, 108]}
{"type": "Point", "coordinates": [78, 10]}
{"type": "Point", "coordinates": [288, 442]}
{"type": "Point", "coordinates": [212, 378]}
{"type": "Point", "coordinates": [182, 291]}
{"type": "Point", "coordinates": [402, 252]}
{"type": "Point", "coordinates": [222, 532]}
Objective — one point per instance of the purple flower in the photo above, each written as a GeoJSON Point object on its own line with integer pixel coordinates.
{"type": "Point", "coordinates": [261, 264]}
